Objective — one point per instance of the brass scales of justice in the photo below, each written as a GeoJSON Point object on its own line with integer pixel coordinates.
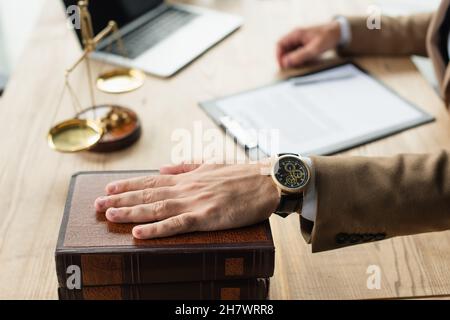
{"type": "Point", "coordinates": [99, 128]}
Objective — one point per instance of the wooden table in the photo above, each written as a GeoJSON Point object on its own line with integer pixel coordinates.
{"type": "Point", "coordinates": [34, 179]}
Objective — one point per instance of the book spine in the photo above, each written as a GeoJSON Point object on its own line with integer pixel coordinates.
{"type": "Point", "coordinates": [137, 268]}
{"type": "Point", "coordinates": [253, 289]}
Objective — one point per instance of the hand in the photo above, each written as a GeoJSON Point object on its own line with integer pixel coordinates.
{"type": "Point", "coordinates": [306, 44]}
{"type": "Point", "coordinates": [190, 198]}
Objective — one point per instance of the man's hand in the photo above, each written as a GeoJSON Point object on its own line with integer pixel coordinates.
{"type": "Point", "coordinates": [189, 198]}
{"type": "Point", "coordinates": [306, 44]}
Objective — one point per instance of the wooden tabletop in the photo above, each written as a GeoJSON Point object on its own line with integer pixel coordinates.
{"type": "Point", "coordinates": [34, 180]}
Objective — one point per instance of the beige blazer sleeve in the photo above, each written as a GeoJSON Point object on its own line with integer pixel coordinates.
{"type": "Point", "coordinates": [368, 199]}
{"type": "Point", "coordinates": [397, 36]}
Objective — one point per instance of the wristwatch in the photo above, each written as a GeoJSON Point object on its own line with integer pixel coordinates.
{"type": "Point", "coordinates": [291, 175]}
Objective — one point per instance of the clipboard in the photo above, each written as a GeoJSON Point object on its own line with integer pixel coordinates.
{"type": "Point", "coordinates": [246, 138]}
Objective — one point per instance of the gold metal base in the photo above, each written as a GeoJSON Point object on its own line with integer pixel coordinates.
{"type": "Point", "coordinates": [120, 81]}
{"type": "Point", "coordinates": [117, 128]}
{"type": "Point", "coordinates": [75, 135]}
{"type": "Point", "coordinates": [121, 126]}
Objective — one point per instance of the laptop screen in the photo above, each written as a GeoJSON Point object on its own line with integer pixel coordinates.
{"type": "Point", "coordinates": [121, 11]}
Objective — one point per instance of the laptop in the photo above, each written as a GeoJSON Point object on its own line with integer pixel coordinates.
{"type": "Point", "coordinates": [159, 38]}
{"type": "Point", "coordinates": [3, 79]}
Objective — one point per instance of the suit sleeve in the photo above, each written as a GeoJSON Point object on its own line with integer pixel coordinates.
{"type": "Point", "coordinates": [368, 199]}
{"type": "Point", "coordinates": [398, 36]}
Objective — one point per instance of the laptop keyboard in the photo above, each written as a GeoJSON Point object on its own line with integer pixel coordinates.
{"type": "Point", "coordinates": [154, 31]}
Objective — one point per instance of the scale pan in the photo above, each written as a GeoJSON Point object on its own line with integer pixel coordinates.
{"type": "Point", "coordinates": [74, 135]}
{"type": "Point", "coordinates": [120, 80]}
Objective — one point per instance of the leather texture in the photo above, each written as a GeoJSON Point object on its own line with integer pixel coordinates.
{"type": "Point", "coordinates": [109, 255]}
{"type": "Point", "coordinates": [289, 204]}
{"type": "Point", "coordinates": [250, 289]}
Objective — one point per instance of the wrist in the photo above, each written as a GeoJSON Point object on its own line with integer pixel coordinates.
{"type": "Point", "coordinates": [345, 32]}
{"type": "Point", "coordinates": [290, 175]}
{"type": "Point", "coordinates": [276, 195]}
{"type": "Point", "coordinates": [335, 30]}
{"type": "Point", "coordinates": [273, 194]}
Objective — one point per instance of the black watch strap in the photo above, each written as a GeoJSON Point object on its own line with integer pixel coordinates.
{"type": "Point", "coordinates": [289, 154]}
{"type": "Point", "coordinates": [290, 204]}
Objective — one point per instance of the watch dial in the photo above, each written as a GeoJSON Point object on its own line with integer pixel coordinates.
{"type": "Point", "coordinates": [291, 173]}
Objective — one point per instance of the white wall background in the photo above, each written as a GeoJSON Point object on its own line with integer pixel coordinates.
{"type": "Point", "coordinates": [402, 7]}
{"type": "Point", "coordinates": [17, 18]}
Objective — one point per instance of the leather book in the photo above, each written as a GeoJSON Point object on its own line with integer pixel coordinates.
{"type": "Point", "coordinates": [251, 289]}
{"type": "Point", "coordinates": [106, 254]}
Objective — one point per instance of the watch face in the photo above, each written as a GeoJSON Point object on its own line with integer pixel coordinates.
{"type": "Point", "coordinates": [291, 173]}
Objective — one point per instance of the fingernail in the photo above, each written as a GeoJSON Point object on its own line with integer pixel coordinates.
{"type": "Point", "coordinates": [101, 202]}
{"type": "Point", "coordinates": [137, 232]}
{"type": "Point", "coordinates": [113, 212]}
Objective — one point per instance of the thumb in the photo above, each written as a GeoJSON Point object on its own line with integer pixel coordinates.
{"type": "Point", "coordinates": [178, 169]}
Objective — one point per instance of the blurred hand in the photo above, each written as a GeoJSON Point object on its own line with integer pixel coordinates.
{"type": "Point", "coordinates": [306, 44]}
{"type": "Point", "coordinates": [189, 198]}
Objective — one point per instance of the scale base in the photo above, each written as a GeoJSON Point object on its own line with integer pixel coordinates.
{"type": "Point", "coordinates": [122, 127]}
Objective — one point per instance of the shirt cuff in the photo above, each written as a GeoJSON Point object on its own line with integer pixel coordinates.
{"type": "Point", "coordinates": [346, 31]}
{"type": "Point", "coordinates": [309, 209]}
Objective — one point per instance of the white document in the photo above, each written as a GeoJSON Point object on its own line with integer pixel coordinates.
{"type": "Point", "coordinates": [320, 114]}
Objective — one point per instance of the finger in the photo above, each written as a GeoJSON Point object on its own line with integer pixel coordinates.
{"type": "Point", "coordinates": [157, 211]}
{"type": "Point", "coordinates": [280, 53]}
{"type": "Point", "coordinates": [185, 223]}
{"type": "Point", "coordinates": [290, 43]}
{"type": "Point", "coordinates": [299, 57]}
{"type": "Point", "coordinates": [178, 169]}
{"type": "Point", "coordinates": [291, 40]}
{"type": "Point", "coordinates": [133, 198]}
{"type": "Point", "coordinates": [141, 183]}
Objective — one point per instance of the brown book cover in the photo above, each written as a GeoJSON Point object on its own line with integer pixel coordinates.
{"type": "Point", "coordinates": [106, 254]}
{"type": "Point", "coordinates": [250, 289]}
